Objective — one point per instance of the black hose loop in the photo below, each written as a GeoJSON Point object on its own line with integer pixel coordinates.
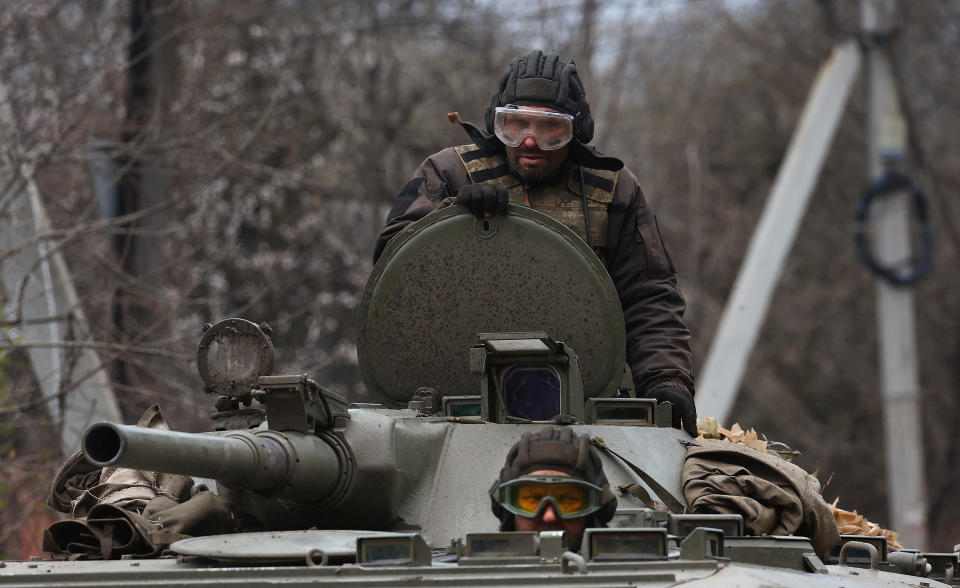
{"type": "Point", "coordinates": [922, 263]}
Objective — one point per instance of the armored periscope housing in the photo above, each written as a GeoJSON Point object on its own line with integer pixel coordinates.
{"type": "Point", "coordinates": [471, 333]}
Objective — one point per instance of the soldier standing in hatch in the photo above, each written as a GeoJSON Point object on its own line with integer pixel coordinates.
{"type": "Point", "coordinates": [553, 480]}
{"type": "Point", "coordinates": [534, 153]}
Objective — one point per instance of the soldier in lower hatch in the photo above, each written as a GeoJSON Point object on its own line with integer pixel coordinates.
{"type": "Point", "coordinates": [553, 480]}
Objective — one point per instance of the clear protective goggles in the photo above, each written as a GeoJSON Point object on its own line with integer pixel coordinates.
{"type": "Point", "coordinates": [551, 130]}
{"type": "Point", "coordinates": [527, 496]}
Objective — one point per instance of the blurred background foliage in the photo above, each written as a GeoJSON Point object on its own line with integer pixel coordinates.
{"type": "Point", "coordinates": [263, 141]}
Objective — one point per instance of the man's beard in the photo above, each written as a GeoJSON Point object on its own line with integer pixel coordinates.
{"type": "Point", "coordinates": [537, 176]}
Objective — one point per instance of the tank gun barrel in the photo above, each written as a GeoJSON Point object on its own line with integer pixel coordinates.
{"type": "Point", "coordinates": [301, 467]}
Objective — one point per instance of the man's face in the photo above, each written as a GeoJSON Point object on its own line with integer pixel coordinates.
{"type": "Point", "coordinates": [548, 519]}
{"type": "Point", "coordinates": [533, 163]}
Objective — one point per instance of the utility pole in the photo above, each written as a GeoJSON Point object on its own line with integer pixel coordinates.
{"type": "Point", "coordinates": [896, 333]}
{"type": "Point", "coordinates": [39, 290]}
{"type": "Point", "coordinates": [747, 304]}
{"type": "Point", "coordinates": [749, 300]}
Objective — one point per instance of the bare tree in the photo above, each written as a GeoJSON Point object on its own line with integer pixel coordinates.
{"type": "Point", "coordinates": [261, 143]}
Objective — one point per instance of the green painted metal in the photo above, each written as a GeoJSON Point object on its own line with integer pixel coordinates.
{"type": "Point", "coordinates": [324, 476]}
{"type": "Point", "coordinates": [450, 276]}
{"type": "Point", "coordinates": [273, 546]}
{"type": "Point", "coordinates": [304, 468]}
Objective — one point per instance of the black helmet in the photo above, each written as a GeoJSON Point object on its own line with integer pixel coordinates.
{"type": "Point", "coordinates": [555, 449]}
{"type": "Point", "coordinates": [544, 79]}
{"type": "Point", "coordinates": [540, 79]}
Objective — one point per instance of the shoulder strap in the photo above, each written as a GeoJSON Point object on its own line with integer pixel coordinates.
{"type": "Point", "coordinates": [674, 505]}
{"type": "Point", "coordinates": [599, 184]}
{"type": "Point", "coordinates": [483, 166]}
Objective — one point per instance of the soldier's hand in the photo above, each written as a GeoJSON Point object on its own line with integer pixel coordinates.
{"type": "Point", "coordinates": [683, 407]}
{"type": "Point", "coordinates": [485, 199]}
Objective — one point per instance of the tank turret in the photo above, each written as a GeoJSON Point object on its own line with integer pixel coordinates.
{"type": "Point", "coordinates": [491, 358]}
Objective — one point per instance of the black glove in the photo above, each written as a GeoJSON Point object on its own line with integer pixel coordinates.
{"type": "Point", "coordinates": [481, 199]}
{"type": "Point", "coordinates": [683, 407]}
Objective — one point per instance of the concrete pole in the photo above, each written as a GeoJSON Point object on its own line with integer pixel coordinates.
{"type": "Point", "coordinates": [747, 305]}
{"type": "Point", "coordinates": [38, 287]}
{"type": "Point", "coordinates": [890, 219]}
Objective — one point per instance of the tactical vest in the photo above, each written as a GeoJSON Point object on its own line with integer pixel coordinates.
{"type": "Point", "coordinates": [562, 200]}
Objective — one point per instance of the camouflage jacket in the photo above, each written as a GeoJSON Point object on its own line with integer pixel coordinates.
{"type": "Point", "coordinates": [625, 236]}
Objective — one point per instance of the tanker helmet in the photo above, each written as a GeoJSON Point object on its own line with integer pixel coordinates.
{"type": "Point", "coordinates": [543, 79]}
{"type": "Point", "coordinates": [557, 449]}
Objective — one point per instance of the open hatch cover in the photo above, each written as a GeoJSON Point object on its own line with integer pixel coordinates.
{"type": "Point", "coordinates": [450, 276]}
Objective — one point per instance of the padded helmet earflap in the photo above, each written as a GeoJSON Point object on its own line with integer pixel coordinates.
{"type": "Point", "coordinates": [583, 124]}
{"type": "Point", "coordinates": [540, 79]}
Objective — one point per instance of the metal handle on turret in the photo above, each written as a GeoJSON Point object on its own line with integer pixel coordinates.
{"type": "Point", "coordinates": [293, 466]}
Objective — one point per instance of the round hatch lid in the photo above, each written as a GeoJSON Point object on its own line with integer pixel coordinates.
{"type": "Point", "coordinates": [450, 276]}
{"type": "Point", "coordinates": [273, 546]}
{"type": "Point", "coordinates": [232, 356]}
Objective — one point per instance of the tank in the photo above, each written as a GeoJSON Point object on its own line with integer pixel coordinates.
{"type": "Point", "coordinates": [472, 332]}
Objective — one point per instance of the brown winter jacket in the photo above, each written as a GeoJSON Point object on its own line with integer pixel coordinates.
{"type": "Point", "coordinates": [658, 342]}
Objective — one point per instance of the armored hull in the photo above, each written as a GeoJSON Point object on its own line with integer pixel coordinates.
{"type": "Point", "coordinates": [457, 314]}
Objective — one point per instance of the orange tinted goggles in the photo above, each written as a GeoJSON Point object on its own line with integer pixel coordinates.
{"type": "Point", "coordinates": [527, 496]}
